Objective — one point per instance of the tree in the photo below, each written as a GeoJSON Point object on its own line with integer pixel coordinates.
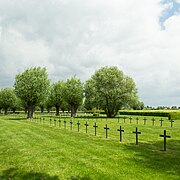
{"type": "Point", "coordinates": [73, 94]}
{"type": "Point", "coordinates": [7, 99]}
{"type": "Point", "coordinates": [56, 95]}
{"type": "Point", "coordinates": [109, 89]}
{"type": "Point", "coordinates": [31, 87]}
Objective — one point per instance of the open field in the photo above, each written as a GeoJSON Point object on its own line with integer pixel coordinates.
{"type": "Point", "coordinates": [34, 150]}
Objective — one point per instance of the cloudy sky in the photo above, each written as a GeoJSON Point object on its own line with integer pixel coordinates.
{"type": "Point", "coordinates": [77, 37]}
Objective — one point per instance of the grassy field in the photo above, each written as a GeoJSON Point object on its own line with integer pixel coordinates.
{"type": "Point", "coordinates": [34, 150]}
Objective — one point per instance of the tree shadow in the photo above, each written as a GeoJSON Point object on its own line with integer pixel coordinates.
{"type": "Point", "coordinates": [16, 118]}
{"type": "Point", "coordinates": [153, 156]}
{"type": "Point", "coordinates": [14, 173]}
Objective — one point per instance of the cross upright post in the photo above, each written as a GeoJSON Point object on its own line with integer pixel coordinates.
{"type": "Point", "coordinates": [144, 120]}
{"type": "Point", "coordinates": [43, 120]}
{"type": "Point", "coordinates": [59, 123]}
{"type": "Point", "coordinates": [161, 120]}
{"type": "Point", "coordinates": [86, 126]}
{"type": "Point", "coordinates": [171, 121]}
{"type": "Point", "coordinates": [130, 120]}
{"type": "Point", "coordinates": [120, 133]}
{"type": "Point", "coordinates": [106, 128]}
{"type": "Point", "coordinates": [118, 119]}
{"type": "Point", "coordinates": [153, 120]}
{"type": "Point", "coordinates": [137, 120]}
{"type": "Point", "coordinates": [124, 119]}
{"type": "Point", "coordinates": [95, 126]}
{"type": "Point", "coordinates": [78, 123]}
{"type": "Point", "coordinates": [136, 132]}
{"type": "Point", "coordinates": [64, 124]}
{"type": "Point", "coordinates": [50, 121]}
{"type": "Point", "coordinates": [40, 120]}
{"type": "Point", "coordinates": [165, 136]}
{"type": "Point", "coordinates": [71, 124]}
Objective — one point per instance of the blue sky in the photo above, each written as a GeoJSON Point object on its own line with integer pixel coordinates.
{"type": "Point", "coordinates": [173, 9]}
{"type": "Point", "coordinates": [77, 37]}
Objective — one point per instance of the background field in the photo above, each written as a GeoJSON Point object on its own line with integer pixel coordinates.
{"type": "Point", "coordinates": [33, 150]}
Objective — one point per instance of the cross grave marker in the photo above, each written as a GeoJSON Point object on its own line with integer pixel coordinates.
{"type": "Point", "coordinates": [171, 121]}
{"type": "Point", "coordinates": [165, 136]}
{"type": "Point", "coordinates": [78, 123]}
{"type": "Point", "coordinates": [153, 120]}
{"type": "Point", "coordinates": [64, 123]}
{"type": "Point", "coordinates": [161, 120]}
{"type": "Point", "coordinates": [86, 126]}
{"type": "Point", "coordinates": [136, 132]}
{"type": "Point", "coordinates": [120, 133]}
{"type": "Point", "coordinates": [130, 119]}
{"type": "Point", "coordinates": [95, 126]}
{"type": "Point", "coordinates": [137, 120]}
{"type": "Point", "coordinates": [106, 128]}
{"type": "Point", "coordinates": [144, 120]}
{"type": "Point", "coordinates": [71, 124]}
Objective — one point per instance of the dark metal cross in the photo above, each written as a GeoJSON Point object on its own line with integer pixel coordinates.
{"type": "Point", "coordinates": [171, 121]}
{"type": "Point", "coordinates": [65, 124]}
{"type": "Point", "coordinates": [124, 119]}
{"type": "Point", "coordinates": [86, 126]}
{"type": "Point", "coordinates": [153, 120]}
{"type": "Point", "coordinates": [40, 120]}
{"type": "Point", "coordinates": [136, 132]}
{"type": "Point", "coordinates": [165, 136]}
{"type": "Point", "coordinates": [71, 124]}
{"type": "Point", "coordinates": [43, 120]}
{"type": "Point", "coordinates": [54, 122]}
{"type": "Point", "coordinates": [130, 119]}
{"type": "Point", "coordinates": [95, 126]}
{"type": "Point", "coordinates": [120, 133]}
{"type": "Point", "coordinates": [59, 123]}
{"type": "Point", "coordinates": [118, 119]}
{"type": "Point", "coordinates": [137, 120]}
{"type": "Point", "coordinates": [144, 121]}
{"type": "Point", "coordinates": [106, 128]}
{"type": "Point", "coordinates": [78, 123]}
{"type": "Point", "coordinates": [161, 121]}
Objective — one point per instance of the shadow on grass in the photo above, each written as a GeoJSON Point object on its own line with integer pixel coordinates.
{"type": "Point", "coordinates": [152, 155]}
{"type": "Point", "coordinates": [16, 174]}
{"type": "Point", "coordinates": [17, 118]}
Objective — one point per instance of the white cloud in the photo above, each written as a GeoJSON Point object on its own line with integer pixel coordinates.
{"type": "Point", "coordinates": [77, 37]}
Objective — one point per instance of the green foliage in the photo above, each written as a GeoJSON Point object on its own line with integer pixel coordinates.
{"type": "Point", "coordinates": [73, 94]}
{"type": "Point", "coordinates": [174, 115]}
{"type": "Point", "coordinates": [109, 89]}
{"type": "Point", "coordinates": [32, 87]}
{"type": "Point", "coordinates": [8, 99]}
{"type": "Point", "coordinates": [56, 95]}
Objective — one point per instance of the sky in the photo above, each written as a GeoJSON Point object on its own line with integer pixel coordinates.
{"type": "Point", "coordinates": [77, 37]}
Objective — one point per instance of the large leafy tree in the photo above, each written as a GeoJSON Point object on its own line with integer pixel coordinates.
{"type": "Point", "coordinates": [8, 99]}
{"type": "Point", "coordinates": [56, 95]}
{"type": "Point", "coordinates": [73, 94]}
{"type": "Point", "coordinates": [31, 87]}
{"type": "Point", "coordinates": [109, 89]}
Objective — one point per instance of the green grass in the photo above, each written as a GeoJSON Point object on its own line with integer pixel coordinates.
{"type": "Point", "coordinates": [30, 150]}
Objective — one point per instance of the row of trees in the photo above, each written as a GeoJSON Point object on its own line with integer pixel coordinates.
{"type": "Point", "coordinates": [108, 89]}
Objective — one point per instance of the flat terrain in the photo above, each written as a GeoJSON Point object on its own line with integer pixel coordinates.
{"type": "Point", "coordinates": [34, 150]}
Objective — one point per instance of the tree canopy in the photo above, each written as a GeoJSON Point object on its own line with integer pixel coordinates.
{"type": "Point", "coordinates": [109, 89]}
{"type": "Point", "coordinates": [73, 94]}
{"type": "Point", "coordinates": [31, 87]}
{"type": "Point", "coordinates": [8, 99]}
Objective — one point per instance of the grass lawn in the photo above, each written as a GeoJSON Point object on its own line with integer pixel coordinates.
{"type": "Point", "coordinates": [33, 150]}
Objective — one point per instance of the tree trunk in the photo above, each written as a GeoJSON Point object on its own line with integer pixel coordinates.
{"type": "Point", "coordinates": [73, 111]}
{"type": "Point", "coordinates": [57, 110]}
{"type": "Point", "coordinates": [48, 110]}
{"type": "Point", "coordinates": [5, 111]}
{"type": "Point", "coordinates": [30, 112]}
{"type": "Point", "coordinates": [42, 109]}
